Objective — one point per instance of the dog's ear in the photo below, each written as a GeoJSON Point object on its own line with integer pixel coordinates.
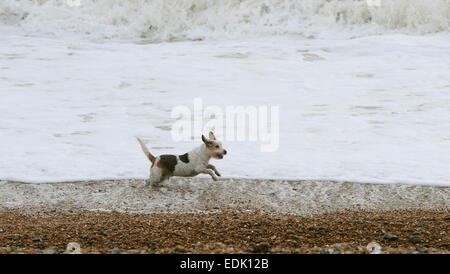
{"type": "Point", "coordinates": [206, 141]}
{"type": "Point", "coordinates": [211, 136]}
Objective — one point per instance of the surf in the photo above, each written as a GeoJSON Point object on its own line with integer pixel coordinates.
{"type": "Point", "coordinates": [160, 20]}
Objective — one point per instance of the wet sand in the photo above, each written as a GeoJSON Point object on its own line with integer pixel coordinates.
{"type": "Point", "coordinates": [197, 195]}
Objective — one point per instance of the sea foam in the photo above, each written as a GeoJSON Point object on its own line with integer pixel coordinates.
{"type": "Point", "coordinates": [162, 20]}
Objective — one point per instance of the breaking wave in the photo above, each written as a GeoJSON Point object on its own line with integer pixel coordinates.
{"type": "Point", "coordinates": [167, 20]}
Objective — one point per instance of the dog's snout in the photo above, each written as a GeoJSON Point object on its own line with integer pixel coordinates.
{"type": "Point", "coordinates": [224, 152]}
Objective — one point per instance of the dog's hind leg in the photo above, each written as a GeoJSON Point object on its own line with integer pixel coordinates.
{"type": "Point", "coordinates": [156, 177]}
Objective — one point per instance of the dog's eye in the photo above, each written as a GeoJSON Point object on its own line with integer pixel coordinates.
{"type": "Point", "coordinates": [217, 146]}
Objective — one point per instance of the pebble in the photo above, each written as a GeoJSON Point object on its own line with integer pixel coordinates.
{"type": "Point", "coordinates": [268, 233]}
{"type": "Point", "coordinates": [390, 237]}
{"type": "Point", "coordinates": [115, 250]}
{"type": "Point", "coordinates": [324, 251]}
{"type": "Point", "coordinates": [415, 239]}
{"type": "Point", "coordinates": [179, 248]}
{"type": "Point", "coordinates": [423, 250]}
{"type": "Point", "coordinates": [73, 248]}
{"type": "Point", "coordinates": [374, 248]}
{"type": "Point", "coordinates": [51, 251]}
{"type": "Point", "coordinates": [261, 247]}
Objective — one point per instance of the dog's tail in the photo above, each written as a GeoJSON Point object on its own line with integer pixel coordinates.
{"type": "Point", "coordinates": [145, 150]}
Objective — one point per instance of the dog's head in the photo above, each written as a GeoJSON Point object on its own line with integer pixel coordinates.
{"type": "Point", "coordinates": [214, 146]}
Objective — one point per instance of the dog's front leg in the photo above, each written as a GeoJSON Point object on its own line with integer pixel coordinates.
{"type": "Point", "coordinates": [210, 172]}
{"type": "Point", "coordinates": [213, 168]}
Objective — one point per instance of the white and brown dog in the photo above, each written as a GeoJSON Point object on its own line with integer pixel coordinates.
{"type": "Point", "coordinates": [189, 164]}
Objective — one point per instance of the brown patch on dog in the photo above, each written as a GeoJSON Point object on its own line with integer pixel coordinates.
{"type": "Point", "coordinates": [166, 172]}
{"type": "Point", "coordinates": [211, 145]}
{"type": "Point", "coordinates": [206, 141]}
{"type": "Point", "coordinates": [147, 153]}
{"type": "Point", "coordinates": [168, 162]}
{"type": "Point", "coordinates": [151, 158]}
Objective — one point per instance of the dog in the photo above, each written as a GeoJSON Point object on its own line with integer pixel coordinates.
{"type": "Point", "coordinates": [189, 164]}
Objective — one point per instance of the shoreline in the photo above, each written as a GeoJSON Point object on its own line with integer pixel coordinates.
{"type": "Point", "coordinates": [198, 195]}
{"type": "Point", "coordinates": [229, 216]}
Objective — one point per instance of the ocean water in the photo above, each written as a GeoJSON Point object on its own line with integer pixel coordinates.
{"type": "Point", "coordinates": [363, 87]}
{"type": "Point", "coordinates": [160, 20]}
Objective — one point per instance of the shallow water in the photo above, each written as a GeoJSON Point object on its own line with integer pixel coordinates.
{"type": "Point", "coordinates": [368, 108]}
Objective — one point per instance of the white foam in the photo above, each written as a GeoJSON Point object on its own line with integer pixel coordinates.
{"type": "Point", "coordinates": [371, 109]}
{"type": "Point", "coordinates": [198, 19]}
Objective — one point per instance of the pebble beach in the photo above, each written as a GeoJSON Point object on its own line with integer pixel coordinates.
{"type": "Point", "coordinates": [195, 216]}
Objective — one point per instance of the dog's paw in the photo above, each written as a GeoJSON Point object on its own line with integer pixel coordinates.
{"type": "Point", "coordinates": [215, 178]}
